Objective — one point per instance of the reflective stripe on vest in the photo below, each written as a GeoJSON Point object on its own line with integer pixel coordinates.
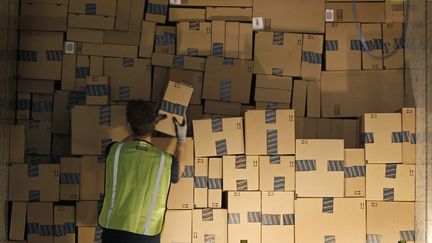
{"type": "Point", "coordinates": [114, 187]}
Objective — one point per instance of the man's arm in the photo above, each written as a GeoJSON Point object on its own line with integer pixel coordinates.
{"type": "Point", "coordinates": [181, 130]}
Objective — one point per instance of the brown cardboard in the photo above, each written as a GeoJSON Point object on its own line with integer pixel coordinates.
{"type": "Point", "coordinates": [121, 38]}
{"type": "Point", "coordinates": [40, 51]}
{"type": "Point", "coordinates": [122, 15]}
{"type": "Point", "coordinates": [390, 182]}
{"type": "Point", "coordinates": [18, 221]}
{"type": "Point", "coordinates": [70, 179]}
{"type": "Point", "coordinates": [230, 134]}
{"type": "Point", "coordinates": [64, 216]}
{"type": "Point", "coordinates": [177, 226]}
{"type": "Point", "coordinates": [278, 217]}
{"type": "Point", "coordinates": [299, 127]}
{"type": "Point", "coordinates": [312, 54]}
{"type": "Point", "coordinates": [42, 107]}
{"type": "Point", "coordinates": [352, 134]}
{"type": "Point", "coordinates": [109, 50]}
{"type": "Point", "coordinates": [184, 62]}
{"type": "Point", "coordinates": [61, 145]}
{"type": "Point", "coordinates": [278, 54]}
{"type": "Point", "coordinates": [228, 79]}
{"type": "Point", "coordinates": [193, 78]}
{"type": "Point", "coordinates": [136, 15]}
{"type": "Point", "coordinates": [194, 38]}
{"type": "Point", "coordinates": [299, 100]}
{"type": "Point", "coordinates": [232, 31]}
{"type": "Point", "coordinates": [271, 88]}
{"type": "Point", "coordinates": [92, 178]}
{"type": "Point", "coordinates": [165, 39]}
{"type": "Point", "coordinates": [395, 11]}
{"type": "Point", "coordinates": [38, 136]}
{"type": "Point", "coordinates": [222, 108]}
{"type": "Point", "coordinates": [389, 221]}
{"type": "Point", "coordinates": [324, 129]}
{"type": "Point", "coordinates": [102, 7]}
{"type": "Point", "coordinates": [43, 16]}
{"type": "Point", "coordinates": [313, 100]}
{"type": "Point", "coordinates": [40, 214]}
{"type": "Point", "coordinates": [23, 106]}
{"type": "Point", "coordinates": [259, 129]}
{"type": "Point", "coordinates": [209, 224]}
{"type": "Point", "coordinates": [368, 12]}
{"type": "Point", "coordinates": [289, 16]}
{"type": "Point", "coordinates": [382, 137]}
{"type": "Point", "coordinates": [244, 211]}
{"type": "Point", "coordinates": [211, 3]}
{"type": "Point", "coordinates": [85, 35]}
{"type": "Point", "coordinates": [17, 141]}
{"type": "Point", "coordinates": [245, 41]}
{"type": "Point", "coordinates": [176, 94]}
{"type": "Point", "coordinates": [96, 66]}
{"type": "Point", "coordinates": [393, 46]}
{"type": "Point", "coordinates": [355, 167]}
{"type": "Point", "coordinates": [86, 234]}
{"type": "Point", "coordinates": [147, 39]}
{"type": "Point", "coordinates": [267, 105]}
{"type": "Point", "coordinates": [157, 11]}
{"type": "Point", "coordinates": [201, 179]}
{"type": "Point", "coordinates": [86, 213]}
{"type": "Point", "coordinates": [97, 90]}
{"type": "Point", "coordinates": [130, 78]}
{"type": "Point", "coordinates": [68, 72]}
{"type": "Point", "coordinates": [81, 72]}
{"type": "Point", "coordinates": [35, 86]}
{"type": "Point", "coordinates": [409, 131]}
{"type": "Point", "coordinates": [160, 81]}
{"type": "Point", "coordinates": [316, 174]}
{"type": "Point", "coordinates": [343, 47]}
{"type": "Point", "coordinates": [218, 38]}
{"type": "Point", "coordinates": [372, 91]}
{"type": "Point", "coordinates": [91, 22]}
{"type": "Point", "coordinates": [340, 219]}
{"type": "Point", "coordinates": [240, 173]}
{"type": "Point", "coordinates": [186, 14]}
{"type": "Point", "coordinates": [277, 173]}
{"type": "Point", "coordinates": [229, 14]}
{"type": "Point", "coordinates": [215, 183]}
{"type": "Point", "coordinates": [372, 48]}
{"type": "Point", "coordinates": [63, 102]}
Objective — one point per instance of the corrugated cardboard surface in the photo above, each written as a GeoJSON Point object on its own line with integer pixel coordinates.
{"type": "Point", "coordinates": [240, 173]}
{"type": "Point", "coordinates": [277, 175]}
{"type": "Point", "coordinates": [355, 183]}
{"type": "Point", "coordinates": [201, 182]}
{"type": "Point", "coordinates": [281, 206]}
{"type": "Point", "coordinates": [178, 226]}
{"type": "Point", "coordinates": [215, 173]}
{"type": "Point", "coordinates": [40, 213]}
{"type": "Point", "coordinates": [209, 223]}
{"type": "Point", "coordinates": [191, 41]}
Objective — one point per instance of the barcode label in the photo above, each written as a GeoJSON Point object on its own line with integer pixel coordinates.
{"type": "Point", "coordinates": [329, 16]}
{"type": "Point", "coordinates": [258, 23]}
{"type": "Point", "coordinates": [175, 1]}
{"type": "Point", "coordinates": [69, 47]}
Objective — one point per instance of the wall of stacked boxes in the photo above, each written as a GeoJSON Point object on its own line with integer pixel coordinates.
{"type": "Point", "coordinates": [297, 131]}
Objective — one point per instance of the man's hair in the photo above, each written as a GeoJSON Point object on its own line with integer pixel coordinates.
{"type": "Point", "coordinates": [142, 116]}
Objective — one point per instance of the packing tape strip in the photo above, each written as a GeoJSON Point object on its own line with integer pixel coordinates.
{"type": "Point", "coordinates": [305, 165]}
{"type": "Point", "coordinates": [69, 178]}
{"type": "Point", "coordinates": [327, 206]}
{"type": "Point", "coordinates": [64, 229]}
{"type": "Point", "coordinates": [242, 185]}
{"type": "Point", "coordinates": [311, 57]}
{"type": "Point", "coordinates": [373, 238]}
{"type": "Point", "coordinates": [27, 56]}
{"type": "Point", "coordinates": [413, 139]}
{"type": "Point", "coordinates": [405, 136]}
{"type": "Point", "coordinates": [194, 25]}
{"type": "Point", "coordinates": [192, 51]}
{"type": "Point", "coordinates": [124, 93]}
{"type": "Point", "coordinates": [233, 218]}
{"type": "Point", "coordinates": [388, 194]}
{"type": "Point", "coordinates": [34, 196]}
{"type": "Point", "coordinates": [200, 181]}
{"type": "Point", "coordinates": [221, 147]}
{"type": "Point", "coordinates": [254, 217]}
{"type": "Point", "coordinates": [272, 141]}
{"type": "Point", "coordinates": [368, 137]}
{"type": "Point", "coordinates": [189, 171]}
{"type": "Point", "coordinates": [178, 61]}
{"type": "Point", "coordinates": [209, 238]}
{"type": "Point", "coordinates": [355, 171]}
{"type": "Point", "coordinates": [217, 125]}
{"type": "Point", "coordinates": [397, 137]}
{"type": "Point", "coordinates": [335, 165]}
{"type": "Point", "coordinates": [277, 71]}
{"type": "Point", "coordinates": [278, 38]}
{"type": "Point", "coordinates": [173, 108]}
{"type": "Point", "coordinates": [330, 239]}
{"type": "Point", "coordinates": [270, 116]}
{"type": "Point", "coordinates": [399, 43]}
{"type": "Point", "coordinates": [82, 72]}
{"type": "Point", "coordinates": [70, 227]}
{"type": "Point", "coordinates": [105, 143]}
{"type": "Point", "coordinates": [288, 219]}
{"type": "Point", "coordinates": [23, 104]}
{"type": "Point", "coordinates": [105, 115]}
{"type": "Point", "coordinates": [166, 38]}
{"type": "Point", "coordinates": [271, 219]}
{"type": "Point", "coordinates": [54, 55]}
{"type": "Point", "coordinates": [408, 235]}
{"type": "Point", "coordinates": [128, 62]}
{"type": "Point", "coordinates": [42, 106]}
{"type": "Point", "coordinates": [97, 90]}
{"type": "Point", "coordinates": [331, 45]}
{"type": "Point", "coordinates": [33, 228]}
{"type": "Point", "coordinates": [355, 45]}
{"type": "Point", "coordinates": [75, 98]}
{"type": "Point", "coordinates": [32, 170]}
{"type": "Point", "coordinates": [207, 214]}
{"type": "Point", "coordinates": [275, 159]}
{"type": "Point", "coordinates": [214, 183]}
{"type": "Point", "coordinates": [240, 161]}
{"type": "Point", "coordinates": [279, 183]}
{"type": "Point", "coordinates": [391, 171]}
{"type": "Point", "coordinates": [90, 9]}
{"type": "Point", "coordinates": [218, 49]}
{"type": "Point", "coordinates": [158, 9]}
{"type": "Point", "coordinates": [225, 90]}
{"type": "Point", "coordinates": [228, 61]}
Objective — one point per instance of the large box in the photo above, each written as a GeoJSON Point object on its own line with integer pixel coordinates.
{"type": "Point", "coordinates": [184, 62]}
{"type": "Point", "coordinates": [194, 38]}
{"type": "Point", "coordinates": [31, 182]}
{"type": "Point", "coordinates": [277, 217]}
{"type": "Point", "coordinates": [38, 51]}
{"type": "Point", "coordinates": [355, 173]}
{"type": "Point", "coordinates": [130, 78]}
{"type": "Point", "coordinates": [92, 178]}
{"type": "Point", "coordinates": [366, 12]}
{"type": "Point", "coordinates": [278, 53]}
{"type": "Point", "coordinates": [93, 7]}
{"type": "Point", "coordinates": [147, 39]}
{"type": "Point", "coordinates": [87, 213]}
{"type": "Point", "coordinates": [97, 90]}
{"type": "Point", "coordinates": [17, 221]}
{"type": "Point", "coordinates": [64, 222]}
{"type": "Point", "coordinates": [218, 136]}
{"type": "Point", "coordinates": [43, 16]}
{"type": "Point", "coordinates": [228, 79]}
{"type": "Point", "coordinates": [312, 57]}
{"type": "Point", "coordinates": [270, 132]}
{"type": "Point", "coordinates": [229, 14]}
{"type": "Point", "coordinates": [64, 101]}
{"type": "Point", "coordinates": [222, 108]}
{"type": "Point", "coordinates": [390, 182]}
{"type": "Point", "coordinates": [40, 222]}
{"type": "Point", "coordinates": [177, 226]}
{"type": "Point", "coordinates": [165, 39]}
{"type": "Point", "coordinates": [244, 217]}
{"type": "Point", "coordinates": [194, 78]}
{"type": "Point", "coordinates": [17, 141]}
{"type": "Point", "coordinates": [334, 220]}
{"type": "Point", "coordinates": [391, 222]}
{"type": "Point", "coordinates": [70, 179]}
{"type": "Point", "coordinates": [201, 183]}
{"type": "Point", "coordinates": [269, 88]}
{"type": "Point", "coordinates": [393, 46]}
{"type": "Point", "coordinates": [240, 173]}
{"type": "Point", "coordinates": [289, 16]}
{"type": "Point", "coordinates": [409, 135]}
{"type": "Point", "coordinates": [38, 136]}
{"type": "Point", "coordinates": [319, 168]}
{"type": "Point", "coordinates": [42, 107]}
{"type": "Point", "coordinates": [382, 137]}
{"type": "Point", "coordinates": [353, 93]}
{"type": "Point", "coordinates": [209, 225]}
{"type": "Point", "coordinates": [277, 173]}
{"type": "Point", "coordinates": [372, 47]}
{"type": "Point", "coordinates": [174, 105]}
{"type": "Point", "coordinates": [215, 182]}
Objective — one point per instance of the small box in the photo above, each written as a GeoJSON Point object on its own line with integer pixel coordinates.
{"type": "Point", "coordinates": [209, 225]}
{"type": "Point", "coordinates": [215, 183]}
{"type": "Point", "coordinates": [410, 137]}
{"type": "Point", "coordinates": [40, 225]}
{"type": "Point", "coordinates": [23, 106]}
{"type": "Point", "coordinates": [240, 173]}
{"type": "Point", "coordinates": [177, 226]}
{"type": "Point", "coordinates": [17, 142]}
{"type": "Point", "coordinates": [165, 39]}
{"type": "Point", "coordinates": [157, 11]}
{"type": "Point", "coordinates": [277, 173]}
{"type": "Point", "coordinates": [70, 179]}
{"type": "Point", "coordinates": [355, 173]}
{"type": "Point", "coordinates": [201, 183]}
{"type": "Point", "coordinates": [372, 47]}
{"type": "Point", "coordinates": [92, 178]}
{"type": "Point", "coordinates": [193, 78]}
{"type": "Point", "coordinates": [97, 90]}
{"type": "Point", "coordinates": [194, 38]}
{"type": "Point", "coordinates": [17, 221]}
{"type": "Point", "coordinates": [393, 46]}
{"type": "Point", "coordinates": [87, 213]}
{"type": "Point", "coordinates": [64, 219]}
{"type": "Point", "coordinates": [312, 57]}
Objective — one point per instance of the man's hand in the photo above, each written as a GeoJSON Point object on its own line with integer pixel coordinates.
{"type": "Point", "coordinates": [181, 129]}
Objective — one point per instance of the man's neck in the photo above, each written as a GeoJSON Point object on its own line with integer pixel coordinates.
{"type": "Point", "coordinates": [145, 138]}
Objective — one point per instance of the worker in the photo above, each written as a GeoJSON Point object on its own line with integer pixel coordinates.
{"type": "Point", "coordinates": [138, 178]}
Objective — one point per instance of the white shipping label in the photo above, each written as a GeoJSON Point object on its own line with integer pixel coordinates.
{"type": "Point", "coordinates": [329, 16]}
{"type": "Point", "coordinates": [258, 23]}
{"type": "Point", "coordinates": [175, 1]}
{"type": "Point", "coordinates": [69, 47]}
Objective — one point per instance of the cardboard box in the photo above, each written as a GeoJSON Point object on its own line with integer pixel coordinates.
{"type": "Point", "coordinates": [395, 11]}
{"type": "Point", "coordinates": [232, 31]}
{"type": "Point", "coordinates": [92, 178]}
{"type": "Point", "coordinates": [17, 221]}
{"type": "Point", "coordinates": [390, 182]}
{"type": "Point", "coordinates": [245, 41]}
{"type": "Point", "coordinates": [342, 47]}
{"type": "Point", "coordinates": [393, 46]}
{"type": "Point", "coordinates": [228, 14]}
{"type": "Point", "coordinates": [43, 16]}
{"type": "Point", "coordinates": [276, 89]}
{"type": "Point", "coordinates": [122, 38]}
{"type": "Point", "coordinates": [366, 12]}
{"type": "Point", "coordinates": [157, 11]}
{"type": "Point", "coordinates": [93, 7]}
{"type": "Point", "coordinates": [187, 14]}
{"type": "Point", "coordinates": [211, 3]}
{"type": "Point", "coordinates": [209, 225]}
{"type": "Point", "coordinates": [277, 173]}
{"type": "Point", "coordinates": [194, 78]}
{"type": "Point", "coordinates": [109, 50]}
{"type": "Point", "coordinates": [382, 137]}
{"type": "Point", "coordinates": [391, 221]}
{"type": "Point", "coordinates": [353, 93]}
{"type": "Point", "coordinates": [95, 127]}
{"type": "Point", "coordinates": [42, 107]}
{"type": "Point", "coordinates": [35, 86]}
{"type": "Point", "coordinates": [215, 179]}
{"type": "Point", "coordinates": [277, 217]}
{"type": "Point", "coordinates": [219, 136]}
{"type": "Point", "coordinates": [299, 97]}
{"type": "Point", "coordinates": [85, 35]}
{"type": "Point", "coordinates": [319, 168]}
{"type": "Point", "coordinates": [278, 53]}
{"type": "Point", "coordinates": [40, 222]}
{"type": "Point", "coordinates": [147, 39]}
{"type": "Point", "coordinates": [194, 38]}
{"type": "Point", "coordinates": [39, 50]}
{"type": "Point", "coordinates": [183, 62]}
{"type": "Point", "coordinates": [61, 145]}
{"type": "Point", "coordinates": [174, 104]}
{"type": "Point", "coordinates": [17, 142]}
{"type": "Point", "coordinates": [313, 99]}
{"type": "Point", "coordinates": [409, 135]}
{"type": "Point", "coordinates": [165, 39]}
{"type": "Point", "coordinates": [23, 106]}
{"type": "Point", "coordinates": [218, 38]}
{"type": "Point", "coordinates": [240, 173]}
{"type": "Point", "coordinates": [70, 178]}
{"type": "Point", "coordinates": [336, 219]}
{"type": "Point", "coordinates": [312, 57]}
{"type": "Point", "coordinates": [38, 139]}
{"type": "Point", "coordinates": [244, 217]}
{"type": "Point", "coordinates": [201, 183]}
{"type": "Point", "coordinates": [355, 173]}
{"type": "Point", "coordinates": [222, 108]}
{"type": "Point", "coordinates": [64, 221]}
{"type": "Point", "coordinates": [228, 79]}
{"type": "Point", "coordinates": [181, 195]}
{"type": "Point", "coordinates": [289, 16]}
{"type": "Point", "coordinates": [177, 226]}
{"type": "Point", "coordinates": [97, 90]}
{"type": "Point", "coordinates": [89, 234]}
{"type": "Point", "coordinates": [270, 132]}
{"type": "Point", "coordinates": [64, 101]}
{"type": "Point", "coordinates": [91, 22]}
{"type": "Point", "coordinates": [372, 48]}
{"type": "Point", "coordinates": [86, 213]}
{"type": "Point", "coordinates": [130, 78]}
{"type": "Point", "coordinates": [130, 14]}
